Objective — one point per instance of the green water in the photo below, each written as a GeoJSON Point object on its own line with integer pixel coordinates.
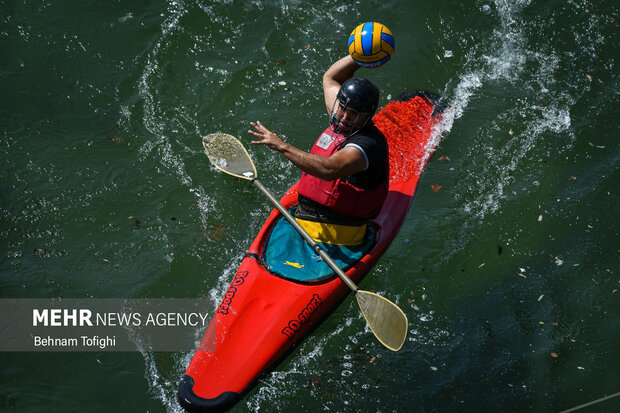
{"type": "Point", "coordinates": [106, 192]}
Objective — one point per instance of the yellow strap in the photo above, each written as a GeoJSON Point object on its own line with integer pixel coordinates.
{"type": "Point", "coordinates": [333, 233]}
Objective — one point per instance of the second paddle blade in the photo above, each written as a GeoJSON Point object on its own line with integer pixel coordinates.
{"type": "Point", "coordinates": [228, 154]}
{"type": "Point", "coordinates": [388, 322]}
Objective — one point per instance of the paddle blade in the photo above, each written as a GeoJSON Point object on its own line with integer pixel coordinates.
{"type": "Point", "coordinates": [388, 322]}
{"type": "Point", "coordinates": [228, 154]}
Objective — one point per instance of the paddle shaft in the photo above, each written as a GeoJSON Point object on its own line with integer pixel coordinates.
{"type": "Point", "coordinates": [316, 247]}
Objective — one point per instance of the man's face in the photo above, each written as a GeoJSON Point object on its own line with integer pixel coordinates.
{"type": "Point", "coordinates": [349, 118]}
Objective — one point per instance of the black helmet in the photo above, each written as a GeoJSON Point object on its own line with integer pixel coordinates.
{"type": "Point", "coordinates": [359, 94]}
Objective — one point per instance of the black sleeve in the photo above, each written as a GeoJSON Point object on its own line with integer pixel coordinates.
{"type": "Point", "coordinates": [370, 147]}
{"type": "Point", "coordinates": [375, 148]}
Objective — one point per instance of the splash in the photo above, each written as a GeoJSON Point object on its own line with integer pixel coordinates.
{"type": "Point", "coordinates": [498, 165]}
{"type": "Point", "coordinates": [154, 118]}
{"type": "Point", "coordinates": [406, 126]}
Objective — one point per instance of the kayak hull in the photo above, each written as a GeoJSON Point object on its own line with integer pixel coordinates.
{"type": "Point", "coordinates": [263, 316]}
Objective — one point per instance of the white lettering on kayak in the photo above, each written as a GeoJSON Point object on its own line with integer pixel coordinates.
{"type": "Point", "coordinates": [303, 318]}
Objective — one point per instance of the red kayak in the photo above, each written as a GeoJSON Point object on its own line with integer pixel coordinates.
{"type": "Point", "coordinates": [263, 315]}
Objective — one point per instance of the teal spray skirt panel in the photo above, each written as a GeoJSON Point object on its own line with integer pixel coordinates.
{"type": "Point", "coordinates": [289, 256]}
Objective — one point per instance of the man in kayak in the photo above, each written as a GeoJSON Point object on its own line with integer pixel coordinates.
{"type": "Point", "coordinates": [345, 175]}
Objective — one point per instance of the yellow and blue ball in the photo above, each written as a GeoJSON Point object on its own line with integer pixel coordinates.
{"type": "Point", "coordinates": [371, 44]}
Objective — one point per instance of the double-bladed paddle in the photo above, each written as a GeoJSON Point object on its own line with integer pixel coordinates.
{"type": "Point", "coordinates": [387, 321]}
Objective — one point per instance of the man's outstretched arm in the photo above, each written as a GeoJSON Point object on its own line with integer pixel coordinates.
{"type": "Point", "coordinates": [345, 162]}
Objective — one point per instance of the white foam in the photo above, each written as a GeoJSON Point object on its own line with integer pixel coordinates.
{"type": "Point", "coordinates": [538, 123]}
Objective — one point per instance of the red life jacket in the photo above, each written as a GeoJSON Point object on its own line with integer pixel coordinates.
{"type": "Point", "coordinates": [339, 195]}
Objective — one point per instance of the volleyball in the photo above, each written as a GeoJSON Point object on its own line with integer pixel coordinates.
{"type": "Point", "coordinates": [371, 44]}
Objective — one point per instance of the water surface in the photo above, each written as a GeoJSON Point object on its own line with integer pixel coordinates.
{"type": "Point", "coordinates": [508, 273]}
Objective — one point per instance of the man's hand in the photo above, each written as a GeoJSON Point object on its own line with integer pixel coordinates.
{"type": "Point", "coordinates": [267, 137]}
{"type": "Point", "coordinates": [345, 162]}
